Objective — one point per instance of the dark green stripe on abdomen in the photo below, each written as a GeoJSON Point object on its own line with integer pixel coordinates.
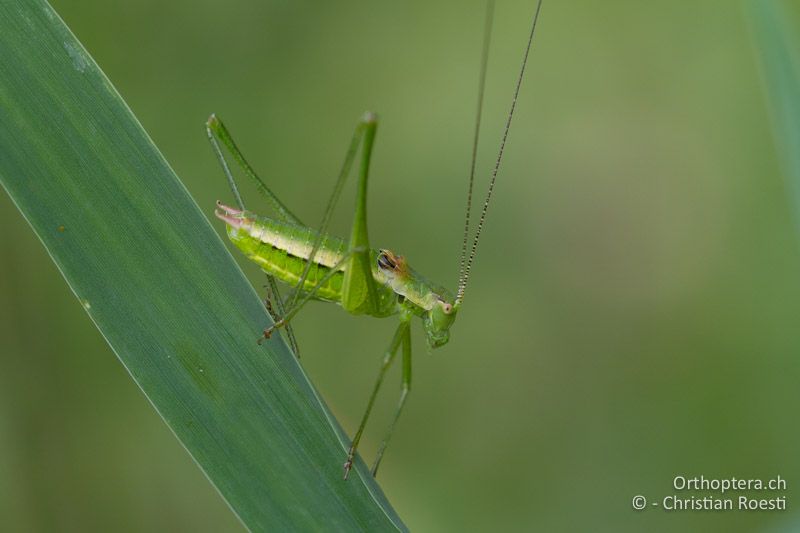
{"type": "Point", "coordinates": [289, 268]}
{"type": "Point", "coordinates": [282, 250]}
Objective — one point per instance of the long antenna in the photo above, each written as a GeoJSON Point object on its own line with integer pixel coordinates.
{"type": "Point", "coordinates": [487, 39]}
{"type": "Point", "coordinates": [462, 284]}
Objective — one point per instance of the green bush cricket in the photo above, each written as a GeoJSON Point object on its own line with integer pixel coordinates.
{"type": "Point", "coordinates": [362, 280]}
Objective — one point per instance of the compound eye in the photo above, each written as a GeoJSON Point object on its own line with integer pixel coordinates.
{"type": "Point", "coordinates": [386, 260]}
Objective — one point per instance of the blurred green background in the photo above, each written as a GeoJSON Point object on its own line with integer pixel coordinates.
{"type": "Point", "coordinates": [632, 313]}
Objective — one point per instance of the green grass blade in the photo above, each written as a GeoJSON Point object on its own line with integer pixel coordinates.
{"type": "Point", "coordinates": [776, 31]}
{"type": "Point", "coordinates": [163, 290]}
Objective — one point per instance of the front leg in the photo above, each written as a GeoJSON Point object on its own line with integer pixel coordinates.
{"type": "Point", "coordinates": [406, 388]}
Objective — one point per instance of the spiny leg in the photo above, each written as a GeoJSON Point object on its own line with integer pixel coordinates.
{"type": "Point", "coordinates": [358, 275]}
{"type": "Point", "coordinates": [406, 388]}
{"type": "Point", "coordinates": [215, 130]}
{"type": "Point", "coordinates": [364, 130]}
{"type": "Point", "coordinates": [359, 288]}
{"type": "Point", "coordinates": [400, 334]}
{"type": "Point", "coordinates": [358, 271]}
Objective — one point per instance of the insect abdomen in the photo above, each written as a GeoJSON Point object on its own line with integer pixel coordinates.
{"type": "Point", "coordinates": [282, 250]}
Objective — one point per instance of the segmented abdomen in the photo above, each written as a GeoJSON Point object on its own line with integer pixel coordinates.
{"type": "Point", "coordinates": [282, 250]}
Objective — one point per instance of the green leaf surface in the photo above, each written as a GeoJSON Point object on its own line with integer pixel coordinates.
{"type": "Point", "coordinates": [163, 290]}
{"type": "Point", "coordinates": [776, 30]}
